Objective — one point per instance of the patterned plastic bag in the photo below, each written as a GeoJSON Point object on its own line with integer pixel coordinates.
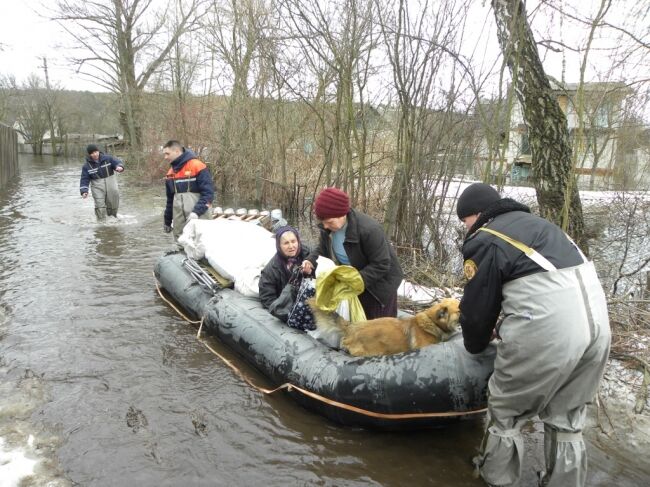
{"type": "Point", "coordinates": [301, 316]}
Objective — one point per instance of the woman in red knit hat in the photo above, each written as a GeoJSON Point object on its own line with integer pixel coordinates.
{"type": "Point", "coordinates": [350, 237]}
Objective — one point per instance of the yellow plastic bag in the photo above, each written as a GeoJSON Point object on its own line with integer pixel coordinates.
{"type": "Point", "coordinates": [340, 283]}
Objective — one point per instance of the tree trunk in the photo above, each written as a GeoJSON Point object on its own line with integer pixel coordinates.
{"type": "Point", "coordinates": [557, 195]}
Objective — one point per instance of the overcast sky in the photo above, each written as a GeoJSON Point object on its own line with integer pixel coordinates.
{"type": "Point", "coordinates": [26, 37]}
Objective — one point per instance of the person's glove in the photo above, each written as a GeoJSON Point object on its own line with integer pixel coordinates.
{"type": "Point", "coordinates": [167, 228]}
{"type": "Point", "coordinates": [192, 216]}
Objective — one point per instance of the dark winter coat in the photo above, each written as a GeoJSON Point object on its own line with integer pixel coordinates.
{"type": "Point", "coordinates": [275, 276]}
{"type": "Point", "coordinates": [490, 262]}
{"type": "Point", "coordinates": [369, 252]}
{"type": "Point", "coordinates": [102, 168]}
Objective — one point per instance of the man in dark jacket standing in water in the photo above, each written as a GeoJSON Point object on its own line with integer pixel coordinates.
{"type": "Point", "coordinates": [98, 176]}
{"type": "Point", "coordinates": [553, 339]}
{"type": "Point", "coordinates": [189, 188]}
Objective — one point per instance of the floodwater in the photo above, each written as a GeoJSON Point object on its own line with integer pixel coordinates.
{"type": "Point", "coordinates": [104, 385]}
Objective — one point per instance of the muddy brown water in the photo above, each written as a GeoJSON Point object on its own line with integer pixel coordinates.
{"type": "Point", "coordinates": [116, 390]}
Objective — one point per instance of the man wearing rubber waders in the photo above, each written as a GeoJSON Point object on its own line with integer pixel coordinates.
{"type": "Point", "coordinates": [189, 188]}
{"type": "Point", "coordinates": [98, 177]}
{"type": "Point", "coordinates": [552, 342]}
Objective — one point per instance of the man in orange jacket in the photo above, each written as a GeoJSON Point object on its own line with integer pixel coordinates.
{"type": "Point", "coordinates": [189, 188]}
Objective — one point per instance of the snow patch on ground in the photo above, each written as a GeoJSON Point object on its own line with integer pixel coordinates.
{"type": "Point", "coordinates": [623, 415]}
{"type": "Point", "coordinates": [623, 384]}
{"type": "Point", "coordinates": [15, 465]}
{"type": "Point", "coordinates": [425, 295]}
{"type": "Point", "coordinates": [527, 194]}
{"type": "Point", "coordinates": [613, 423]}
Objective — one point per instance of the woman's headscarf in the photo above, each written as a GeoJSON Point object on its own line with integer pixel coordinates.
{"type": "Point", "coordinates": [288, 262]}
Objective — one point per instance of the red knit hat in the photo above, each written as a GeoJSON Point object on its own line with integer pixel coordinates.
{"type": "Point", "coordinates": [331, 203]}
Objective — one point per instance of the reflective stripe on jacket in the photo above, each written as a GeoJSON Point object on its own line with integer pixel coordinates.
{"type": "Point", "coordinates": [102, 168]}
{"type": "Point", "coordinates": [185, 180]}
{"type": "Point", "coordinates": [188, 175]}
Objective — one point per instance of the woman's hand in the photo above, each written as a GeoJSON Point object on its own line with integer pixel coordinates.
{"type": "Point", "coordinates": [307, 267]}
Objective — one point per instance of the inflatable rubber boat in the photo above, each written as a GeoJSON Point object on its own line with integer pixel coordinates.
{"type": "Point", "coordinates": [430, 387]}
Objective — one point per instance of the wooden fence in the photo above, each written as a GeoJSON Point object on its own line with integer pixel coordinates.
{"type": "Point", "coordinates": [8, 154]}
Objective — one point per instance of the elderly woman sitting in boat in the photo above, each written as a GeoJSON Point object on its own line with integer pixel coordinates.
{"type": "Point", "coordinates": [284, 266]}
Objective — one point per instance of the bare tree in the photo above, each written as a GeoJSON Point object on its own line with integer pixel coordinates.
{"type": "Point", "coordinates": [428, 147]}
{"type": "Point", "coordinates": [234, 30]}
{"type": "Point", "coordinates": [32, 112]}
{"type": "Point", "coordinates": [552, 162]}
{"type": "Point", "coordinates": [177, 77]}
{"type": "Point", "coordinates": [632, 171]}
{"type": "Point", "coordinates": [50, 102]}
{"type": "Point", "coordinates": [337, 40]}
{"type": "Point", "coordinates": [7, 88]}
{"type": "Point", "coordinates": [597, 107]}
{"type": "Point", "coordinates": [122, 48]}
{"type": "Point", "coordinates": [307, 77]}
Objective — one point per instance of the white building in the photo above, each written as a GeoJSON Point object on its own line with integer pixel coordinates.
{"type": "Point", "coordinates": [596, 114]}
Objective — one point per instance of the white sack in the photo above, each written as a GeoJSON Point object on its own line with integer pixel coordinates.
{"type": "Point", "coordinates": [191, 240]}
{"type": "Point", "coordinates": [235, 249]}
{"type": "Point", "coordinates": [323, 265]}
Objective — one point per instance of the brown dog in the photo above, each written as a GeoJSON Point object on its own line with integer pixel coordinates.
{"type": "Point", "coordinates": [387, 336]}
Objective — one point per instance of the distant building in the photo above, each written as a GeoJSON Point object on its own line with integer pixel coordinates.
{"type": "Point", "coordinates": [596, 120]}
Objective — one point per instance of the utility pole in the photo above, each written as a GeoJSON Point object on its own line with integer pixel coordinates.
{"type": "Point", "coordinates": [47, 75]}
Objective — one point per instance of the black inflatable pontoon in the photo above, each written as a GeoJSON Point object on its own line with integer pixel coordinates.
{"type": "Point", "coordinates": [429, 387]}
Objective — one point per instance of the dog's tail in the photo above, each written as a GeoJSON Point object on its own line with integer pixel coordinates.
{"type": "Point", "coordinates": [325, 321]}
{"type": "Point", "coordinates": [330, 327]}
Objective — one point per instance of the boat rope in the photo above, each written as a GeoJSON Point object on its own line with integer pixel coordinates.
{"type": "Point", "coordinates": [291, 387]}
{"type": "Point", "coordinates": [173, 306]}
